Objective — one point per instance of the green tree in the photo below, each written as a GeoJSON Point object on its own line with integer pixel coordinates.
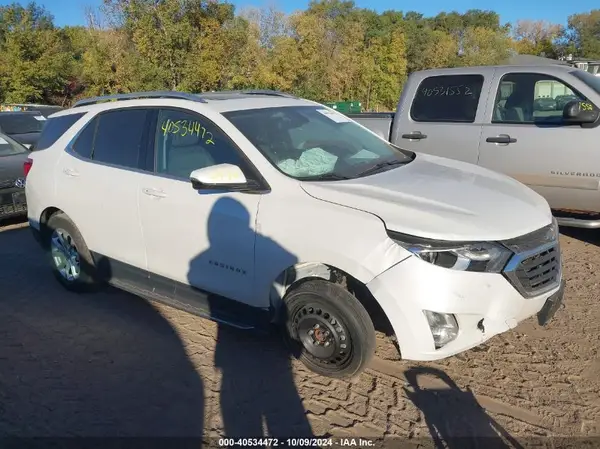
{"type": "Point", "coordinates": [583, 34]}
{"type": "Point", "coordinates": [35, 62]}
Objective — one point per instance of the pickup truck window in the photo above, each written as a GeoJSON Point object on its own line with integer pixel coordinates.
{"type": "Point", "coordinates": [21, 123]}
{"type": "Point", "coordinates": [587, 78]}
{"type": "Point", "coordinates": [525, 98]}
{"type": "Point", "coordinates": [447, 98]}
{"type": "Point", "coordinates": [314, 143]}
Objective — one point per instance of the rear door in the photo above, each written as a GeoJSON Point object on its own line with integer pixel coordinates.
{"type": "Point", "coordinates": [525, 137]}
{"type": "Point", "coordinates": [97, 183]}
{"type": "Point", "coordinates": [440, 113]}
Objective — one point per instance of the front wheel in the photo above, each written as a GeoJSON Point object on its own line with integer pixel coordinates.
{"type": "Point", "coordinates": [329, 329]}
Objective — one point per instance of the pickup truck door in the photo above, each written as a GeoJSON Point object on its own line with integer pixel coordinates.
{"type": "Point", "coordinates": [524, 136]}
{"type": "Point", "coordinates": [440, 113]}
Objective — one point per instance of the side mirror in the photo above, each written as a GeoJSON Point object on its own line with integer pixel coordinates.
{"type": "Point", "coordinates": [218, 177]}
{"type": "Point", "coordinates": [580, 112]}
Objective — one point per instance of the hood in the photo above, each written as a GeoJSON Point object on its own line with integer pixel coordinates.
{"type": "Point", "coordinates": [439, 198]}
{"type": "Point", "coordinates": [11, 167]}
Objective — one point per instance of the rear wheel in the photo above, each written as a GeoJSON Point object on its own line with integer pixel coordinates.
{"type": "Point", "coordinates": [70, 258]}
{"type": "Point", "coordinates": [329, 329]}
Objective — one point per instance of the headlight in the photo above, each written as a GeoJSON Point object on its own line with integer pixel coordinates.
{"type": "Point", "coordinates": [463, 256]}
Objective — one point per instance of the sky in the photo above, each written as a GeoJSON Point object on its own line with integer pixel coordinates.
{"type": "Point", "coordinates": [71, 12]}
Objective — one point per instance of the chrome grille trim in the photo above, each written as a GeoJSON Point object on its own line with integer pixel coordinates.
{"type": "Point", "coordinates": [7, 184]}
{"type": "Point", "coordinates": [536, 266]}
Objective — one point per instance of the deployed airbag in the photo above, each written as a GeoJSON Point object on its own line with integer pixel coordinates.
{"type": "Point", "coordinates": [313, 162]}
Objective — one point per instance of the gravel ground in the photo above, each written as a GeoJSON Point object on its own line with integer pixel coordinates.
{"type": "Point", "coordinates": [112, 364]}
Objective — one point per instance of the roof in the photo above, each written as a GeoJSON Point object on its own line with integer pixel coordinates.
{"type": "Point", "coordinates": [222, 101]}
{"type": "Point", "coordinates": [32, 104]}
{"type": "Point", "coordinates": [533, 60]}
{"type": "Point", "coordinates": [545, 67]}
{"type": "Point", "coordinates": [3, 113]}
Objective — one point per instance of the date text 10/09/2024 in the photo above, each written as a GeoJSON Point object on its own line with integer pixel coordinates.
{"type": "Point", "coordinates": [295, 442]}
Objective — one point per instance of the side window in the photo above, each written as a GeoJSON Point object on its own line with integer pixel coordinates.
{"type": "Point", "coordinates": [531, 98]}
{"type": "Point", "coordinates": [447, 98]}
{"type": "Point", "coordinates": [54, 128]}
{"type": "Point", "coordinates": [85, 141]}
{"type": "Point", "coordinates": [186, 141]}
{"type": "Point", "coordinates": [119, 137]}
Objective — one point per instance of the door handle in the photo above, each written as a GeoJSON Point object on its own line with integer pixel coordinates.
{"type": "Point", "coordinates": [70, 172]}
{"type": "Point", "coordinates": [156, 193]}
{"type": "Point", "coordinates": [415, 135]}
{"type": "Point", "coordinates": [502, 138]}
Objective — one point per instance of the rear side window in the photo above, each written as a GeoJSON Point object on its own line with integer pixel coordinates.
{"type": "Point", "coordinates": [447, 98]}
{"type": "Point", "coordinates": [85, 141]}
{"type": "Point", "coordinates": [54, 128]}
{"type": "Point", "coordinates": [120, 137]}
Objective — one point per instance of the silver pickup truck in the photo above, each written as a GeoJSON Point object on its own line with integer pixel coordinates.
{"type": "Point", "coordinates": [539, 124]}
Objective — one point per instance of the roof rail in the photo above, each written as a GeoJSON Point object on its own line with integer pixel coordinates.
{"type": "Point", "coordinates": [139, 95]}
{"type": "Point", "coordinates": [274, 93]}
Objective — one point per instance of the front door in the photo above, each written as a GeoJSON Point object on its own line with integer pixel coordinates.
{"type": "Point", "coordinates": [525, 138]}
{"type": "Point", "coordinates": [204, 239]}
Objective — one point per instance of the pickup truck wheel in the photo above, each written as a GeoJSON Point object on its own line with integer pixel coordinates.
{"type": "Point", "coordinates": [70, 258]}
{"type": "Point", "coordinates": [329, 329]}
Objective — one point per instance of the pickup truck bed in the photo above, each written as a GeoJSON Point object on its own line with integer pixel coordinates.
{"type": "Point", "coordinates": [380, 122]}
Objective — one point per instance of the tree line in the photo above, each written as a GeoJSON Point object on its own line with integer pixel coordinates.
{"type": "Point", "coordinates": [331, 51]}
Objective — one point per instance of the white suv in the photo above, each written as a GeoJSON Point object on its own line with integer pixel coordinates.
{"type": "Point", "coordinates": [257, 207]}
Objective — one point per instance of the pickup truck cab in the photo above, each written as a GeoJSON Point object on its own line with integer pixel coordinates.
{"type": "Point", "coordinates": [260, 208]}
{"type": "Point", "coordinates": [536, 123]}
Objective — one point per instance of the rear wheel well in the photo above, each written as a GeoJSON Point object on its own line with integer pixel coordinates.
{"type": "Point", "coordinates": [44, 218]}
{"type": "Point", "coordinates": [301, 273]}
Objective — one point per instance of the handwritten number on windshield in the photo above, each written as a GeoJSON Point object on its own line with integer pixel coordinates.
{"type": "Point", "coordinates": [447, 91]}
{"type": "Point", "coordinates": [187, 127]}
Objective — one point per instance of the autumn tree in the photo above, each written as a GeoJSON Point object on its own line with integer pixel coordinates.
{"type": "Point", "coordinates": [333, 50]}
{"type": "Point", "coordinates": [536, 37]}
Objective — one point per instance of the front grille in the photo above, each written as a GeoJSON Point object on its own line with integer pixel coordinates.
{"type": "Point", "coordinates": [536, 266]}
{"type": "Point", "coordinates": [7, 183]}
{"type": "Point", "coordinates": [540, 271]}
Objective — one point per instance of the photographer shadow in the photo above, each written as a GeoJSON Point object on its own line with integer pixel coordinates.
{"type": "Point", "coordinates": [454, 417]}
{"type": "Point", "coordinates": [258, 395]}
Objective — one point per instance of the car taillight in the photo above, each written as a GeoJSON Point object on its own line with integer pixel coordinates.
{"type": "Point", "coordinates": [27, 166]}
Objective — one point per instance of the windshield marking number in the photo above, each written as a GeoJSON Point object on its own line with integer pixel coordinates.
{"type": "Point", "coordinates": [187, 127]}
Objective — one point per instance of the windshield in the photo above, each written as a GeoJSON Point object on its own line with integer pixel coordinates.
{"type": "Point", "coordinates": [588, 78]}
{"type": "Point", "coordinates": [21, 123]}
{"type": "Point", "coordinates": [8, 146]}
{"type": "Point", "coordinates": [311, 142]}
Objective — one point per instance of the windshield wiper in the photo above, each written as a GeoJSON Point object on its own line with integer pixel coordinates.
{"type": "Point", "coordinates": [325, 177]}
{"type": "Point", "coordinates": [377, 167]}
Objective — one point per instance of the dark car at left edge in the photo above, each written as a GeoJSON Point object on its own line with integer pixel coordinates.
{"type": "Point", "coordinates": [13, 157]}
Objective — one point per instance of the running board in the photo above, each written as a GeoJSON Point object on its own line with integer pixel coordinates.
{"type": "Point", "coordinates": [578, 223]}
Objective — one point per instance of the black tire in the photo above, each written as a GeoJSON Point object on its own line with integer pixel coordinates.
{"type": "Point", "coordinates": [86, 280]}
{"type": "Point", "coordinates": [341, 320]}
